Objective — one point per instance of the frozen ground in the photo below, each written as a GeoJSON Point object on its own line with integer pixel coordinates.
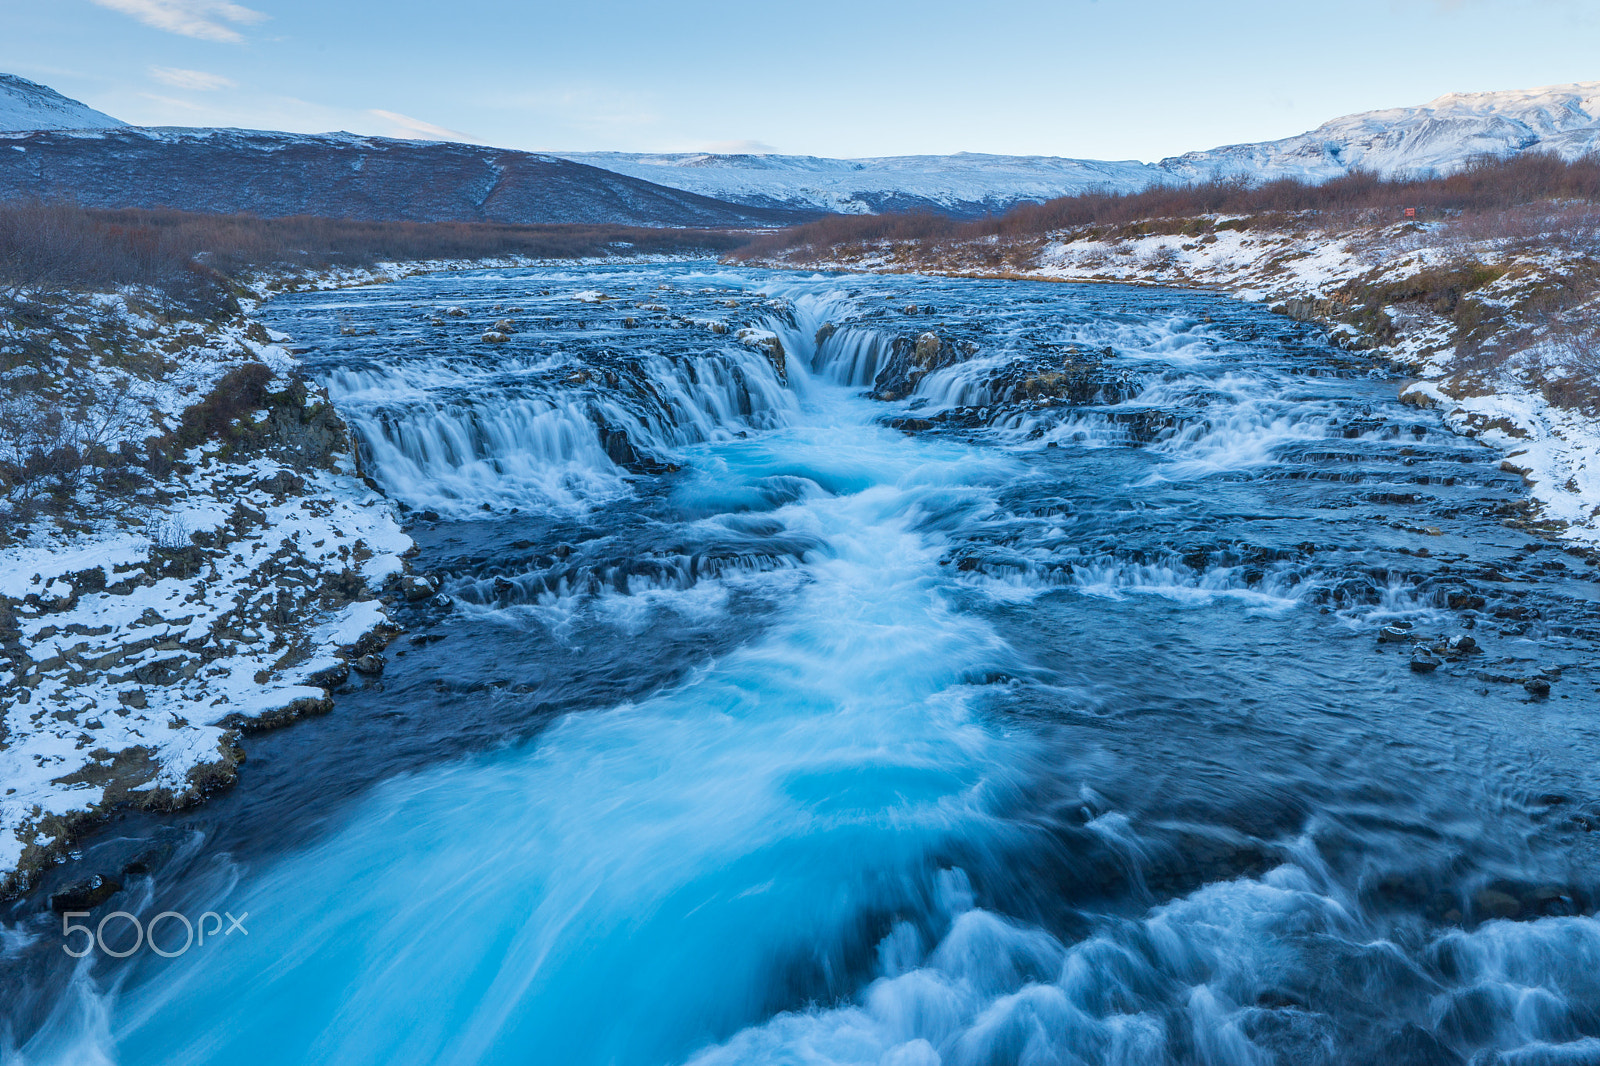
{"type": "Point", "coordinates": [143, 635]}
{"type": "Point", "coordinates": [143, 632]}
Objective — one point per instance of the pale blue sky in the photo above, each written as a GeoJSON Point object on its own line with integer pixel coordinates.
{"type": "Point", "coordinates": [1089, 78]}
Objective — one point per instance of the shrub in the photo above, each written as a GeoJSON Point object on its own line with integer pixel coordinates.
{"type": "Point", "coordinates": [1484, 186]}
{"type": "Point", "coordinates": [240, 392]}
{"type": "Point", "coordinates": [191, 258]}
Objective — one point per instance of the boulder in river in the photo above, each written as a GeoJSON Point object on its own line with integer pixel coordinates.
{"type": "Point", "coordinates": [1423, 662]}
{"type": "Point", "coordinates": [416, 588]}
{"type": "Point", "coordinates": [84, 895]}
{"type": "Point", "coordinates": [370, 664]}
{"type": "Point", "coordinates": [1537, 687]}
{"type": "Point", "coordinates": [1492, 903]}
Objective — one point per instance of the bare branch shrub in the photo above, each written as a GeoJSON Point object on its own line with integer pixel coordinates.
{"type": "Point", "coordinates": [1483, 187]}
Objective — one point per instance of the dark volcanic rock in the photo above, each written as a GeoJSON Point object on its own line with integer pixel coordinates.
{"type": "Point", "coordinates": [345, 176]}
{"type": "Point", "coordinates": [416, 588]}
{"type": "Point", "coordinates": [1424, 663]}
{"type": "Point", "coordinates": [84, 895]}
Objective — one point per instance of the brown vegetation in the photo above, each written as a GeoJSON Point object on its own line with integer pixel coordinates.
{"type": "Point", "coordinates": [56, 245]}
{"type": "Point", "coordinates": [1484, 192]}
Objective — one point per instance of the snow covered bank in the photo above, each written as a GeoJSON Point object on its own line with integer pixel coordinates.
{"type": "Point", "coordinates": [1501, 335]}
{"type": "Point", "coordinates": [193, 572]}
{"type": "Point", "coordinates": [187, 550]}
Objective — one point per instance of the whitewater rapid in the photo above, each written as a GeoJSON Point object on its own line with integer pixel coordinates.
{"type": "Point", "coordinates": [754, 726]}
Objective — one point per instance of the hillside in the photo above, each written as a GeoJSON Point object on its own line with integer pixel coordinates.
{"type": "Point", "coordinates": [27, 105]}
{"type": "Point", "coordinates": [345, 176]}
{"type": "Point", "coordinates": [966, 185]}
{"type": "Point", "coordinates": [1440, 136]}
{"type": "Point", "coordinates": [376, 178]}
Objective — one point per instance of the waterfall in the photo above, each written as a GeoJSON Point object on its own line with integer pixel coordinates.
{"type": "Point", "coordinates": [763, 719]}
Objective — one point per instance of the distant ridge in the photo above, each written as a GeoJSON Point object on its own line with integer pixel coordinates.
{"type": "Point", "coordinates": [342, 175]}
{"type": "Point", "coordinates": [376, 178]}
{"type": "Point", "coordinates": [27, 105]}
{"type": "Point", "coordinates": [1436, 137]}
{"type": "Point", "coordinates": [966, 185]}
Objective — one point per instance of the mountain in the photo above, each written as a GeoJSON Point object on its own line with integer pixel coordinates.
{"type": "Point", "coordinates": [966, 185]}
{"type": "Point", "coordinates": [1439, 136]}
{"type": "Point", "coordinates": [378, 178]}
{"type": "Point", "coordinates": [342, 175]}
{"type": "Point", "coordinates": [27, 105]}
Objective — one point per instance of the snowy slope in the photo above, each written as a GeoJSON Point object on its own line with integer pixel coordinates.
{"type": "Point", "coordinates": [1438, 136]}
{"type": "Point", "coordinates": [27, 105]}
{"type": "Point", "coordinates": [967, 184]}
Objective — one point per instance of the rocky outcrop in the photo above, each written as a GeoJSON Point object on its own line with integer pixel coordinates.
{"type": "Point", "coordinates": [913, 358]}
{"type": "Point", "coordinates": [769, 343]}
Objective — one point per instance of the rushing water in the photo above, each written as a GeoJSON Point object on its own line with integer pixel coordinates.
{"type": "Point", "coordinates": [758, 724]}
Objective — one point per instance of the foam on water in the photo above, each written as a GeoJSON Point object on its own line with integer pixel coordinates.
{"type": "Point", "coordinates": [634, 869]}
{"type": "Point", "coordinates": [464, 435]}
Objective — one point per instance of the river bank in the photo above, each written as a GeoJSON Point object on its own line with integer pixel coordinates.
{"type": "Point", "coordinates": [145, 634]}
{"type": "Point", "coordinates": [1090, 679]}
{"type": "Point", "coordinates": [1495, 323]}
{"type": "Point", "coordinates": [189, 553]}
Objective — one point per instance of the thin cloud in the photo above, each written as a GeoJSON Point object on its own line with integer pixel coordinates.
{"type": "Point", "coordinates": [193, 80]}
{"type": "Point", "coordinates": [598, 109]}
{"type": "Point", "coordinates": [186, 105]}
{"type": "Point", "coordinates": [206, 20]}
{"type": "Point", "coordinates": [746, 147]}
{"type": "Point", "coordinates": [414, 129]}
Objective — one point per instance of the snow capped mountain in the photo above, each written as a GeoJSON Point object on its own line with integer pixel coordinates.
{"type": "Point", "coordinates": [966, 185]}
{"type": "Point", "coordinates": [27, 105]}
{"type": "Point", "coordinates": [767, 189]}
{"type": "Point", "coordinates": [1439, 136]}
